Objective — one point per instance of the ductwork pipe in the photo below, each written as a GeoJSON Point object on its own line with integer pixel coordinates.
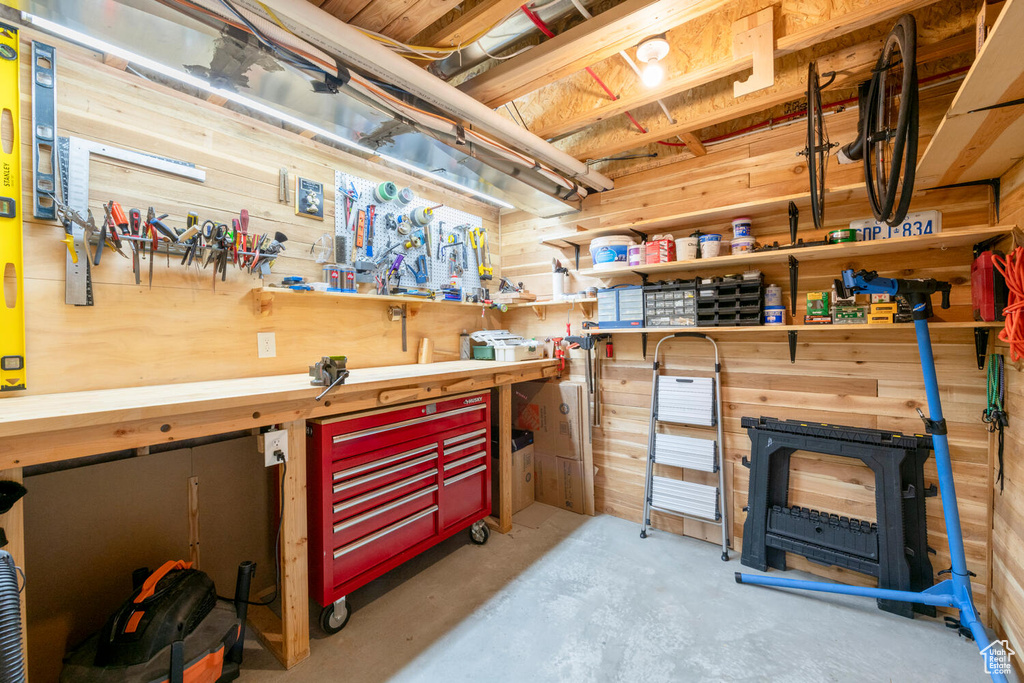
{"type": "Point", "coordinates": [12, 665]}
{"type": "Point", "coordinates": [335, 36]}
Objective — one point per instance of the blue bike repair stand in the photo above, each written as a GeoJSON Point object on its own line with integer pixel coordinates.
{"type": "Point", "coordinates": [955, 591]}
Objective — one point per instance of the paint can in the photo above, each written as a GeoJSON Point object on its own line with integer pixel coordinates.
{"type": "Point", "coordinates": [741, 227]}
{"type": "Point", "coordinates": [773, 295]}
{"type": "Point", "coordinates": [636, 255]}
{"type": "Point", "coordinates": [687, 248]}
{"type": "Point", "coordinates": [742, 244]}
{"type": "Point", "coordinates": [774, 315]}
{"type": "Point", "coordinates": [710, 245]}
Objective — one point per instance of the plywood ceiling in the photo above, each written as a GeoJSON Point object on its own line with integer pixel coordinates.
{"type": "Point", "coordinates": [552, 93]}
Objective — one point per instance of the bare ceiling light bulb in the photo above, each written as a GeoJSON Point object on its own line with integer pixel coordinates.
{"type": "Point", "coordinates": [649, 53]}
{"type": "Point", "coordinates": [652, 74]}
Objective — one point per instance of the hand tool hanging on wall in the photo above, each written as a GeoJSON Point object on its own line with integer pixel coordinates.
{"type": "Point", "coordinates": [44, 130]}
{"type": "Point", "coordinates": [12, 301]}
{"type": "Point", "coordinates": [138, 247]}
{"type": "Point", "coordinates": [420, 271]}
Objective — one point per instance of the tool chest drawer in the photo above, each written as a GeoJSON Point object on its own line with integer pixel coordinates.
{"type": "Point", "coordinates": [375, 519]}
{"type": "Point", "coordinates": [354, 435]}
{"type": "Point", "coordinates": [378, 470]}
{"type": "Point", "coordinates": [385, 485]}
{"type": "Point", "coordinates": [352, 559]}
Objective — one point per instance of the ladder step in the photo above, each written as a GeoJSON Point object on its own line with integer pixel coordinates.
{"type": "Point", "coordinates": [697, 500]}
{"type": "Point", "coordinates": [685, 451]}
{"type": "Point", "coordinates": [687, 400]}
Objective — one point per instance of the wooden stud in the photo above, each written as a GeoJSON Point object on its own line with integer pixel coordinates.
{"type": "Point", "coordinates": [193, 521]}
{"type": "Point", "coordinates": [754, 35]}
{"type": "Point", "coordinates": [505, 458]}
{"type": "Point", "coordinates": [478, 18]}
{"type": "Point", "coordinates": [693, 144]}
{"type": "Point", "coordinates": [288, 637]}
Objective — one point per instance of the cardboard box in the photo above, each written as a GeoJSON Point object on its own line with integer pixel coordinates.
{"type": "Point", "coordinates": [817, 303]}
{"type": "Point", "coordinates": [558, 414]}
{"type": "Point", "coordinates": [983, 24]}
{"type": "Point", "coordinates": [559, 482]}
{"type": "Point", "coordinates": [660, 251]}
{"type": "Point", "coordinates": [880, 318]}
{"type": "Point", "coordinates": [523, 480]}
{"type": "Point", "coordinates": [879, 309]}
{"type": "Point", "coordinates": [554, 413]}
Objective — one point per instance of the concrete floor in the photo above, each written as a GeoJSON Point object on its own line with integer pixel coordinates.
{"type": "Point", "coordinates": [585, 599]}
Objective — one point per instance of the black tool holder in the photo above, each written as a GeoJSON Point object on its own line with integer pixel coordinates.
{"type": "Point", "coordinates": [895, 550]}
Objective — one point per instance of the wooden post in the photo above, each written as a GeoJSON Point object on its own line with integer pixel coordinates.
{"type": "Point", "coordinates": [288, 638]}
{"type": "Point", "coordinates": [505, 457]}
{"type": "Point", "coordinates": [13, 524]}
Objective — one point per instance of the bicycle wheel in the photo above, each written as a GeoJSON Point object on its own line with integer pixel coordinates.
{"type": "Point", "coordinates": [818, 149]}
{"type": "Point", "coordinates": [891, 125]}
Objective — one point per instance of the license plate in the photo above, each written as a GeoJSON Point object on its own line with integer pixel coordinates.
{"type": "Point", "coordinates": [914, 225]}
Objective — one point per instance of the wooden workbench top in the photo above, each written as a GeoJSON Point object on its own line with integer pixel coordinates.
{"type": "Point", "coordinates": [46, 412]}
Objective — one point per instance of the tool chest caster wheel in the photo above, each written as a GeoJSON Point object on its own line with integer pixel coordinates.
{"type": "Point", "coordinates": [479, 533]}
{"type": "Point", "coordinates": [333, 618]}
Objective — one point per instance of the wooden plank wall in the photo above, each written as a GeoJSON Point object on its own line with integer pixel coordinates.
{"type": "Point", "coordinates": [180, 330]}
{"type": "Point", "coordinates": [841, 376]}
{"type": "Point", "coordinates": [1008, 518]}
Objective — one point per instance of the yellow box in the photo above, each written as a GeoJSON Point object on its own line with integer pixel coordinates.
{"type": "Point", "coordinates": [884, 308]}
{"type": "Point", "coordinates": [880, 318]}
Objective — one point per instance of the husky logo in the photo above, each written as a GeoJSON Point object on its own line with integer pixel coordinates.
{"type": "Point", "coordinates": [476, 399]}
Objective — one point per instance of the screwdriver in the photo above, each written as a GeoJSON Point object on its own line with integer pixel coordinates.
{"type": "Point", "coordinates": [135, 226]}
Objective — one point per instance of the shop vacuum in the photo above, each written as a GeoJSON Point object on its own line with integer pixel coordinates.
{"type": "Point", "coordinates": [172, 629]}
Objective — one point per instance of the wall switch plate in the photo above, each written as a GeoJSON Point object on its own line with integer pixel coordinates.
{"type": "Point", "coordinates": [266, 344]}
{"type": "Point", "coordinates": [272, 443]}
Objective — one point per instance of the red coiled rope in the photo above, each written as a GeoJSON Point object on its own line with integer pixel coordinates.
{"type": "Point", "coordinates": [1012, 268]}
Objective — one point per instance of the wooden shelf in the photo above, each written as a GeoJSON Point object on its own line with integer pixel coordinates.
{"type": "Point", "coordinates": [689, 220]}
{"type": "Point", "coordinates": [974, 141]}
{"type": "Point", "coordinates": [943, 240]}
{"type": "Point", "coordinates": [960, 325]}
{"type": "Point", "coordinates": [540, 307]}
{"type": "Point", "coordinates": [265, 296]}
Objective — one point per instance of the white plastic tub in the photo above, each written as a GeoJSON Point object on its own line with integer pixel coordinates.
{"type": "Point", "coordinates": [611, 252]}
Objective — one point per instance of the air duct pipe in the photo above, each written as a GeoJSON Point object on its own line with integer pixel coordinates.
{"type": "Point", "coordinates": [498, 38]}
{"type": "Point", "coordinates": [333, 35]}
{"type": "Point", "coordinates": [12, 664]}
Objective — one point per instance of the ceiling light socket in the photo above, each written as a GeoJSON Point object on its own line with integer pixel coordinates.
{"type": "Point", "coordinates": [652, 49]}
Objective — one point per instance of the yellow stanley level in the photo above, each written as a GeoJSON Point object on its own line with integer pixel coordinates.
{"type": "Point", "coordinates": [12, 304]}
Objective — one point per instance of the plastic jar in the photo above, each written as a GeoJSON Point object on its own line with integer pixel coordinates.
{"type": "Point", "coordinates": [687, 248]}
{"type": "Point", "coordinates": [742, 244]}
{"type": "Point", "coordinates": [773, 295]}
{"type": "Point", "coordinates": [710, 245]}
{"type": "Point", "coordinates": [637, 255]}
{"type": "Point", "coordinates": [774, 315]}
{"type": "Point", "coordinates": [611, 252]}
{"type": "Point", "coordinates": [741, 227]}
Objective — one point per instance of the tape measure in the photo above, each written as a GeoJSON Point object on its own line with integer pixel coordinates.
{"type": "Point", "coordinates": [12, 304]}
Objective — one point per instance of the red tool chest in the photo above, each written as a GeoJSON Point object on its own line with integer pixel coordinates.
{"type": "Point", "coordinates": [385, 485]}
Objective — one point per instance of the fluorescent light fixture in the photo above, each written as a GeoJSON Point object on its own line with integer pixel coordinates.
{"type": "Point", "coordinates": [189, 79]}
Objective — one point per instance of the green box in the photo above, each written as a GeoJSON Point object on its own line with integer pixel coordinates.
{"type": "Point", "coordinates": [483, 353]}
{"type": "Point", "coordinates": [817, 303]}
{"type": "Point", "coordinates": [850, 315]}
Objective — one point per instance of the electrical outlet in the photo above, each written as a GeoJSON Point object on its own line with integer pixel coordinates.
{"type": "Point", "coordinates": [272, 443]}
{"type": "Point", "coordinates": [266, 344]}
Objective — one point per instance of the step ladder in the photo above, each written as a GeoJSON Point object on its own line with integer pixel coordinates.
{"type": "Point", "coordinates": [692, 402]}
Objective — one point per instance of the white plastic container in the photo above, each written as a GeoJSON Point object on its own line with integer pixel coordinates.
{"type": "Point", "coordinates": [528, 351]}
{"type": "Point", "coordinates": [710, 245]}
{"type": "Point", "coordinates": [686, 248]}
{"type": "Point", "coordinates": [773, 295]}
{"type": "Point", "coordinates": [558, 285]}
{"type": "Point", "coordinates": [742, 244]}
{"type": "Point", "coordinates": [611, 252]}
{"type": "Point", "coordinates": [637, 255]}
{"type": "Point", "coordinates": [741, 227]}
{"type": "Point", "coordinates": [774, 315]}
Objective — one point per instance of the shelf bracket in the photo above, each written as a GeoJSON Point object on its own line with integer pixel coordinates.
{"type": "Point", "coordinates": [576, 252]}
{"type": "Point", "coordinates": [794, 278]}
{"type": "Point", "coordinates": [641, 235]}
{"type": "Point", "coordinates": [792, 346]}
{"type": "Point", "coordinates": [990, 182]}
{"type": "Point", "coordinates": [588, 309]}
{"type": "Point", "coordinates": [643, 344]}
{"type": "Point", "coordinates": [981, 345]}
{"type": "Point", "coordinates": [540, 311]}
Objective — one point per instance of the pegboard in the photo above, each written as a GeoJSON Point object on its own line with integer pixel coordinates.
{"type": "Point", "coordinates": [441, 227]}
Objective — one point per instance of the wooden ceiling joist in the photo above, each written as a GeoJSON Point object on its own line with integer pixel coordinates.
{"type": "Point", "coordinates": [419, 16]}
{"type": "Point", "coordinates": [467, 26]}
{"type": "Point", "coordinates": [638, 95]}
{"type": "Point", "coordinates": [621, 27]}
{"type": "Point", "coordinates": [852, 64]}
